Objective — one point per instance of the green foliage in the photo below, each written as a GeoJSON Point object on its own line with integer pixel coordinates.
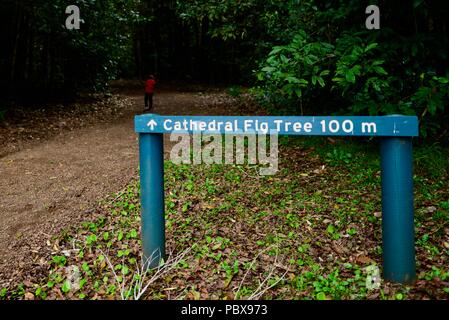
{"type": "Point", "coordinates": [336, 207]}
{"type": "Point", "coordinates": [432, 160]}
{"type": "Point", "coordinates": [308, 56]}
{"type": "Point", "coordinates": [104, 41]}
{"type": "Point", "coordinates": [295, 71]}
{"type": "Point", "coordinates": [3, 293]}
{"type": "Point", "coordinates": [235, 91]}
{"type": "Point", "coordinates": [246, 30]}
{"type": "Point", "coordinates": [338, 156]}
{"type": "Point", "coordinates": [332, 65]}
{"type": "Point", "coordinates": [45, 58]}
{"type": "Point", "coordinates": [59, 260]}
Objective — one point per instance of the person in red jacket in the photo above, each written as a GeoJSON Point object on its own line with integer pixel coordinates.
{"type": "Point", "coordinates": [149, 91]}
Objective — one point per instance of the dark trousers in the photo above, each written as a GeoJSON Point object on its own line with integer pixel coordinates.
{"type": "Point", "coordinates": [148, 100]}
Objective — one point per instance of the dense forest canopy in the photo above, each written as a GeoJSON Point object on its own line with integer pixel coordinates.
{"type": "Point", "coordinates": [299, 56]}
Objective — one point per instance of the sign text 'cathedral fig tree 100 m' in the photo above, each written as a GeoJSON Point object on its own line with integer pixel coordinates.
{"type": "Point", "coordinates": [388, 126]}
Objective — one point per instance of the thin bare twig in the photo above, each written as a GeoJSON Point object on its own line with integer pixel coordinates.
{"type": "Point", "coordinates": [139, 282]}
{"type": "Point", "coordinates": [260, 291]}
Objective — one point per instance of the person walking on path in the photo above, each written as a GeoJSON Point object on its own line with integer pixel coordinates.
{"type": "Point", "coordinates": [149, 91]}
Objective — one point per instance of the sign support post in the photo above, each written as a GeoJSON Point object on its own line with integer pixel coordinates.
{"type": "Point", "coordinates": [151, 156]}
{"type": "Point", "coordinates": [398, 234]}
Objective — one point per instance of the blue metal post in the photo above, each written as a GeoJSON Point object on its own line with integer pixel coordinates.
{"type": "Point", "coordinates": [152, 197]}
{"type": "Point", "coordinates": [397, 205]}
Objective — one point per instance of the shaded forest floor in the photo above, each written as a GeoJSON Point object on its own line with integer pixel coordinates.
{"type": "Point", "coordinates": [56, 163]}
{"type": "Point", "coordinates": [312, 231]}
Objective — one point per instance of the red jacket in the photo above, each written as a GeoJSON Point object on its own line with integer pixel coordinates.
{"type": "Point", "coordinates": [149, 86]}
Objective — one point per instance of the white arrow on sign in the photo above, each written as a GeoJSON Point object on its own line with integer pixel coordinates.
{"type": "Point", "coordinates": [152, 124]}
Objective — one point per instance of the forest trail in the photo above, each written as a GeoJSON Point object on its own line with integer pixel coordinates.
{"type": "Point", "coordinates": [55, 184]}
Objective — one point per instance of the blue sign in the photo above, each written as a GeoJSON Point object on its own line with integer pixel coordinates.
{"type": "Point", "coordinates": [381, 126]}
{"type": "Point", "coordinates": [396, 162]}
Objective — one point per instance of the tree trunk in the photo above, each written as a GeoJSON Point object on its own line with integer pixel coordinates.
{"type": "Point", "coordinates": [16, 42]}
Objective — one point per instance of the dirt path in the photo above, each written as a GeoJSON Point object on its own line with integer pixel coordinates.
{"type": "Point", "coordinates": [55, 184]}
